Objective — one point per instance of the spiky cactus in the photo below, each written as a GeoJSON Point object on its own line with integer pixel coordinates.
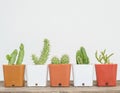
{"type": "Point", "coordinates": [20, 55]}
{"type": "Point", "coordinates": [103, 58]}
{"type": "Point", "coordinates": [15, 56]}
{"type": "Point", "coordinates": [81, 56]}
{"type": "Point", "coordinates": [55, 60]}
{"type": "Point", "coordinates": [44, 54]}
{"type": "Point", "coordinates": [64, 59]}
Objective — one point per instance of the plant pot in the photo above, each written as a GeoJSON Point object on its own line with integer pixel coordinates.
{"type": "Point", "coordinates": [36, 75]}
{"type": "Point", "coordinates": [83, 75]}
{"type": "Point", "coordinates": [59, 74]}
{"type": "Point", "coordinates": [106, 74]}
{"type": "Point", "coordinates": [13, 75]}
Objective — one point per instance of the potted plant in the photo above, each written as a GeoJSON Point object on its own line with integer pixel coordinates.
{"type": "Point", "coordinates": [14, 70]}
{"type": "Point", "coordinates": [82, 70]}
{"type": "Point", "coordinates": [59, 71]}
{"type": "Point", "coordinates": [37, 74]}
{"type": "Point", "coordinates": [106, 72]}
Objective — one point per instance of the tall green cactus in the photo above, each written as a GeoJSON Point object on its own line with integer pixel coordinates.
{"type": "Point", "coordinates": [44, 54]}
{"type": "Point", "coordinates": [20, 55]}
{"type": "Point", "coordinates": [81, 56]}
{"type": "Point", "coordinates": [14, 55]}
{"type": "Point", "coordinates": [64, 60]}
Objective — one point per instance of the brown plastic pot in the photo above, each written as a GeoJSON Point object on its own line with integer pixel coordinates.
{"type": "Point", "coordinates": [106, 74]}
{"type": "Point", "coordinates": [13, 75]}
{"type": "Point", "coordinates": [59, 74]}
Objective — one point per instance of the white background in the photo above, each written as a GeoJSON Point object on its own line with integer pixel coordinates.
{"type": "Point", "coordinates": [68, 24]}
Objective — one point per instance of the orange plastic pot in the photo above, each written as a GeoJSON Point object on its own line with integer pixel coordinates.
{"type": "Point", "coordinates": [59, 74]}
{"type": "Point", "coordinates": [106, 74]}
{"type": "Point", "coordinates": [13, 75]}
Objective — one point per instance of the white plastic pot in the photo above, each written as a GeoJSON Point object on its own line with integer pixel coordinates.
{"type": "Point", "coordinates": [36, 75]}
{"type": "Point", "coordinates": [82, 75]}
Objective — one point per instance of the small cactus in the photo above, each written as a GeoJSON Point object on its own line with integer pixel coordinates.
{"type": "Point", "coordinates": [103, 58]}
{"type": "Point", "coordinates": [44, 54]}
{"type": "Point", "coordinates": [64, 60]}
{"type": "Point", "coordinates": [55, 60]}
{"type": "Point", "coordinates": [81, 56]}
{"type": "Point", "coordinates": [14, 55]}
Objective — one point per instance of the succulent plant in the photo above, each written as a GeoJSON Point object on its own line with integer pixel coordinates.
{"type": "Point", "coordinates": [55, 60]}
{"type": "Point", "coordinates": [14, 55]}
{"type": "Point", "coordinates": [64, 60]}
{"type": "Point", "coordinates": [44, 54]}
{"type": "Point", "coordinates": [81, 56]}
{"type": "Point", "coordinates": [103, 58]}
{"type": "Point", "coordinates": [20, 55]}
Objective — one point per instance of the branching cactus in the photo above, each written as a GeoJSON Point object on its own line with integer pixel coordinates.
{"type": "Point", "coordinates": [81, 56]}
{"type": "Point", "coordinates": [44, 54]}
{"type": "Point", "coordinates": [65, 59]}
{"type": "Point", "coordinates": [55, 60]}
{"type": "Point", "coordinates": [103, 58]}
{"type": "Point", "coordinates": [15, 56]}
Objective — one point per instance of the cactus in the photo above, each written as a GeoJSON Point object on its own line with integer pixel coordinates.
{"type": "Point", "coordinates": [103, 58]}
{"type": "Point", "coordinates": [55, 60]}
{"type": "Point", "coordinates": [44, 54]}
{"type": "Point", "coordinates": [81, 56]}
{"type": "Point", "coordinates": [20, 55]}
{"type": "Point", "coordinates": [11, 58]}
{"type": "Point", "coordinates": [65, 59]}
{"type": "Point", "coordinates": [14, 55]}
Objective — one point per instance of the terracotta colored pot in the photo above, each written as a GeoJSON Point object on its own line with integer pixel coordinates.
{"type": "Point", "coordinates": [106, 74]}
{"type": "Point", "coordinates": [13, 75]}
{"type": "Point", "coordinates": [59, 74]}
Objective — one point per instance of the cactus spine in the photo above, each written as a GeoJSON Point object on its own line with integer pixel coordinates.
{"type": "Point", "coordinates": [14, 55]}
{"type": "Point", "coordinates": [81, 56]}
{"type": "Point", "coordinates": [44, 54]}
{"type": "Point", "coordinates": [64, 60]}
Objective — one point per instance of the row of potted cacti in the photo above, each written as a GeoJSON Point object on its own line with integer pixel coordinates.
{"type": "Point", "coordinates": [59, 69]}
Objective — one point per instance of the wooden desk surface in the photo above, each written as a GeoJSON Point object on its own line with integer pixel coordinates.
{"type": "Point", "coordinates": [71, 89]}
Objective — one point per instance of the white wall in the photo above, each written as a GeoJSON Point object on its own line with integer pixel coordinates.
{"type": "Point", "coordinates": [68, 24]}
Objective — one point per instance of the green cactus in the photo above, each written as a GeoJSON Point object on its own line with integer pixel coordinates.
{"type": "Point", "coordinates": [55, 60]}
{"type": "Point", "coordinates": [44, 54]}
{"type": "Point", "coordinates": [103, 58]}
{"type": "Point", "coordinates": [81, 56]}
{"type": "Point", "coordinates": [65, 59]}
{"type": "Point", "coordinates": [11, 58]}
{"type": "Point", "coordinates": [20, 55]}
{"type": "Point", "coordinates": [14, 55]}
